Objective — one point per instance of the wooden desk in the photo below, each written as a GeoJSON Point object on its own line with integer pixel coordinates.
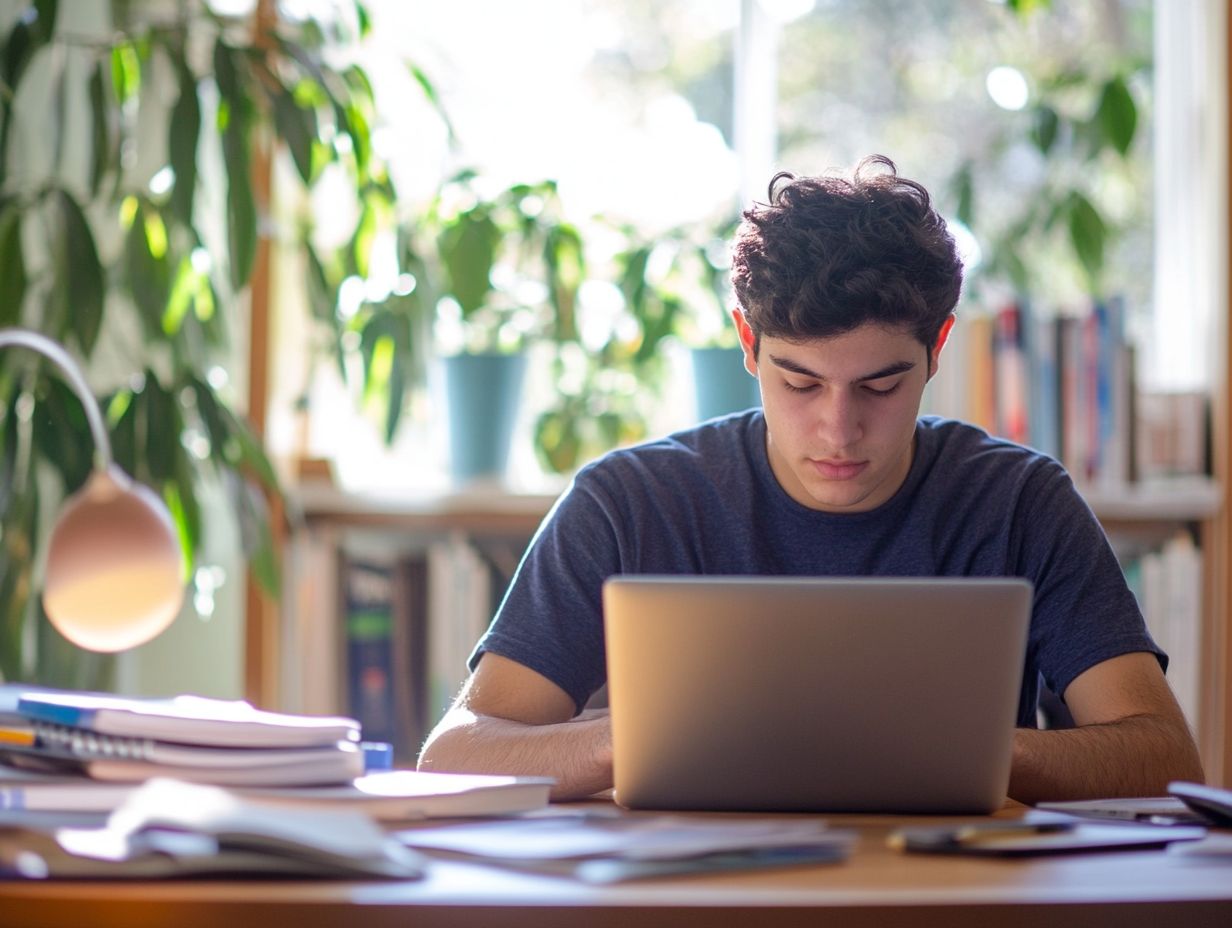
{"type": "Point", "coordinates": [875, 887]}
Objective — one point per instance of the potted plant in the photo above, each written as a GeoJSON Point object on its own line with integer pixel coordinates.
{"type": "Point", "coordinates": [127, 263]}
{"type": "Point", "coordinates": [509, 270]}
{"type": "Point", "coordinates": [677, 286]}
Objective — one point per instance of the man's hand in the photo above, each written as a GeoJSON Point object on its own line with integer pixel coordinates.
{"type": "Point", "coordinates": [508, 719]}
{"type": "Point", "coordinates": [1131, 739]}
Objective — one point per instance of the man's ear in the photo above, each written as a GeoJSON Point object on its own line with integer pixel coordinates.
{"type": "Point", "coordinates": [747, 340]}
{"type": "Point", "coordinates": [942, 337]}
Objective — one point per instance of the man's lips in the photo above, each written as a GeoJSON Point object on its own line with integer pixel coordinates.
{"type": "Point", "coordinates": [839, 470]}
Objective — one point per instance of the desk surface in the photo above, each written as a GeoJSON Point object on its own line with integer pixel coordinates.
{"type": "Point", "coordinates": [875, 887]}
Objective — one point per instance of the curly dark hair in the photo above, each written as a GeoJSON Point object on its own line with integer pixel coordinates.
{"type": "Point", "coordinates": [826, 255]}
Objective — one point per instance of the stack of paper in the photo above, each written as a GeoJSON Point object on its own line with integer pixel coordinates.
{"type": "Point", "coordinates": [608, 849]}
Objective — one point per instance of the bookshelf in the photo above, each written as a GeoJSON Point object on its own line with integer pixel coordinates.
{"type": "Point", "coordinates": [332, 526]}
{"type": "Point", "coordinates": [386, 595]}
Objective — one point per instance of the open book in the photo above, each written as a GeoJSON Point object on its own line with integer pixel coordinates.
{"type": "Point", "coordinates": [171, 829]}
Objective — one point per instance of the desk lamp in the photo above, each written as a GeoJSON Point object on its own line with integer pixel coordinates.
{"type": "Point", "coordinates": [114, 575]}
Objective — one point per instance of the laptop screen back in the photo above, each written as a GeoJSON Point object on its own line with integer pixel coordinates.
{"type": "Point", "coordinates": [814, 694]}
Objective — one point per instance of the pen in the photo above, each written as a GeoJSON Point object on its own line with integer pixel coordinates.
{"type": "Point", "coordinates": [976, 833]}
{"type": "Point", "coordinates": [22, 737]}
{"type": "Point", "coordinates": [969, 835]}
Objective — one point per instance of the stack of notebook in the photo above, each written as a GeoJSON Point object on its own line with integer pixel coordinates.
{"type": "Point", "coordinates": [190, 738]}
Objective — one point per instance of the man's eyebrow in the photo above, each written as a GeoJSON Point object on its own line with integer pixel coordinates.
{"type": "Point", "coordinates": [787, 364]}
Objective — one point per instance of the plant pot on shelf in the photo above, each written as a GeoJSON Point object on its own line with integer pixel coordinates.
{"type": "Point", "coordinates": [721, 384]}
{"type": "Point", "coordinates": [483, 393]}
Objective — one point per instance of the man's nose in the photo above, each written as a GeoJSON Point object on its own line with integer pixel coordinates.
{"type": "Point", "coordinates": [840, 424]}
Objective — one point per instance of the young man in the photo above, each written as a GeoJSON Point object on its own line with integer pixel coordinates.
{"type": "Point", "coordinates": [846, 291]}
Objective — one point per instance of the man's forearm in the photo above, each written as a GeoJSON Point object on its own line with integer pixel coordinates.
{"type": "Point", "coordinates": [578, 753]}
{"type": "Point", "coordinates": [1135, 756]}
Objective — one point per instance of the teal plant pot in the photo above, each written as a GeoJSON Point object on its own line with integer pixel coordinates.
{"type": "Point", "coordinates": [483, 393]}
{"type": "Point", "coordinates": [721, 383]}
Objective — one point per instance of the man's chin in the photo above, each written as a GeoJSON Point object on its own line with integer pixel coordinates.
{"type": "Point", "coordinates": [836, 499]}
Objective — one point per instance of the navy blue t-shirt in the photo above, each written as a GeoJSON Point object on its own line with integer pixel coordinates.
{"type": "Point", "coordinates": [705, 501]}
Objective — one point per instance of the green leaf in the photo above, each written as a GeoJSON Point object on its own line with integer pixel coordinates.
{"type": "Point", "coordinates": [61, 433]}
{"type": "Point", "coordinates": [32, 31]}
{"type": "Point", "coordinates": [233, 443]}
{"type": "Point", "coordinates": [322, 294]}
{"type": "Point", "coordinates": [557, 443]}
{"type": "Point", "coordinates": [357, 127]}
{"type": "Point", "coordinates": [47, 10]}
{"type": "Point", "coordinates": [298, 127]}
{"type": "Point", "coordinates": [122, 411]}
{"type": "Point", "coordinates": [125, 71]}
{"type": "Point", "coordinates": [183, 292]}
{"type": "Point", "coordinates": [241, 204]}
{"type": "Point", "coordinates": [1045, 128]}
{"type": "Point", "coordinates": [12, 265]}
{"type": "Point", "coordinates": [252, 458]}
{"type": "Point", "coordinates": [365, 20]}
{"type": "Point", "coordinates": [256, 537]}
{"type": "Point", "coordinates": [633, 283]}
{"type": "Point", "coordinates": [1117, 114]}
{"type": "Point", "coordinates": [365, 235]}
{"type": "Point", "coordinates": [163, 424]}
{"type": "Point", "coordinates": [100, 125]}
{"type": "Point", "coordinates": [77, 288]}
{"type": "Point", "coordinates": [385, 346]}
{"type": "Point", "coordinates": [19, 521]}
{"type": "Point", "coordinates": [964, 194]}
{"type": "Point", "coordinates": [183, 133]}
{"type": "Point", "coordinates": [147, 267]}
{"type": "Point", "coordinates": [566, 266]}
{"type": "Point", "coordinates": [1027, 7]}
{"type": "Point", "coordinates": [180, 495]}
{"type": "Point", "coordinates": [467, 247]}
{"type": "Point", "coordinates": [430, 93]}
{"type": "Point", "coordinates": [1087, 233]}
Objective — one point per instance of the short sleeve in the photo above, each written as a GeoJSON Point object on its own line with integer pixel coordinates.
{"type": "Point", "coordinates": [1084, 611]}
{"type": "Point", "coordinates": [551, 617]}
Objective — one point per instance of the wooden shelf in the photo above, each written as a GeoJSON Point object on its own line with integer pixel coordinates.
{"type": "Point", "coordinates": [480, 510]}
{"type": "Point", "coordinates": [1181, 500]}
{"type": "Point", "coordinates": [494, 510]}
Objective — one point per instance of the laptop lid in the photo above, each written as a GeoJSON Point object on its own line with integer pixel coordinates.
{"type": "Point", "coordinates": [814, 694]}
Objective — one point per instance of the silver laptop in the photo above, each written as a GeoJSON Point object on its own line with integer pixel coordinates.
{"type": "Point", "coordinates": [812, 694]}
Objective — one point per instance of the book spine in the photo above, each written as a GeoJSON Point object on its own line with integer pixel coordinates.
{"type": "Point", "coordinates": [368, 590]}
{"type": "Point", "coordinates": [981, 369]}
{"type": "Point", "coordinates": [1011, 375]}
{"type": "Point", "coordinates": [409, 642]}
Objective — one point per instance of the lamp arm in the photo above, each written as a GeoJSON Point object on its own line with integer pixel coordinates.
{"type": "Point", "coordinates": [72, 373]}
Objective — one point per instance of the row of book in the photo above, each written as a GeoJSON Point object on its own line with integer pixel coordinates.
{"type": "Point", "coordinates": [1067, 385]}
{"type": "Point", "coordinates": [410, 621]}
{"type": "Point", "coordinates": [1167, 581]}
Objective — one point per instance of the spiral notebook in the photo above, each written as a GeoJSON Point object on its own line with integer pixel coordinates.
{"type": "Point", "coordinates": [190, 738]}
{"type": "Point", "coordinates": [186, 720]}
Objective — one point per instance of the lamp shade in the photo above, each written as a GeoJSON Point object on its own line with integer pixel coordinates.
{"type": "Point", "coordinates": [114, 575]}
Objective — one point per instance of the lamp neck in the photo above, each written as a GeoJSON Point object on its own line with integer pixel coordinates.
{"type": "Point", "coordinates": [55, 353]}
